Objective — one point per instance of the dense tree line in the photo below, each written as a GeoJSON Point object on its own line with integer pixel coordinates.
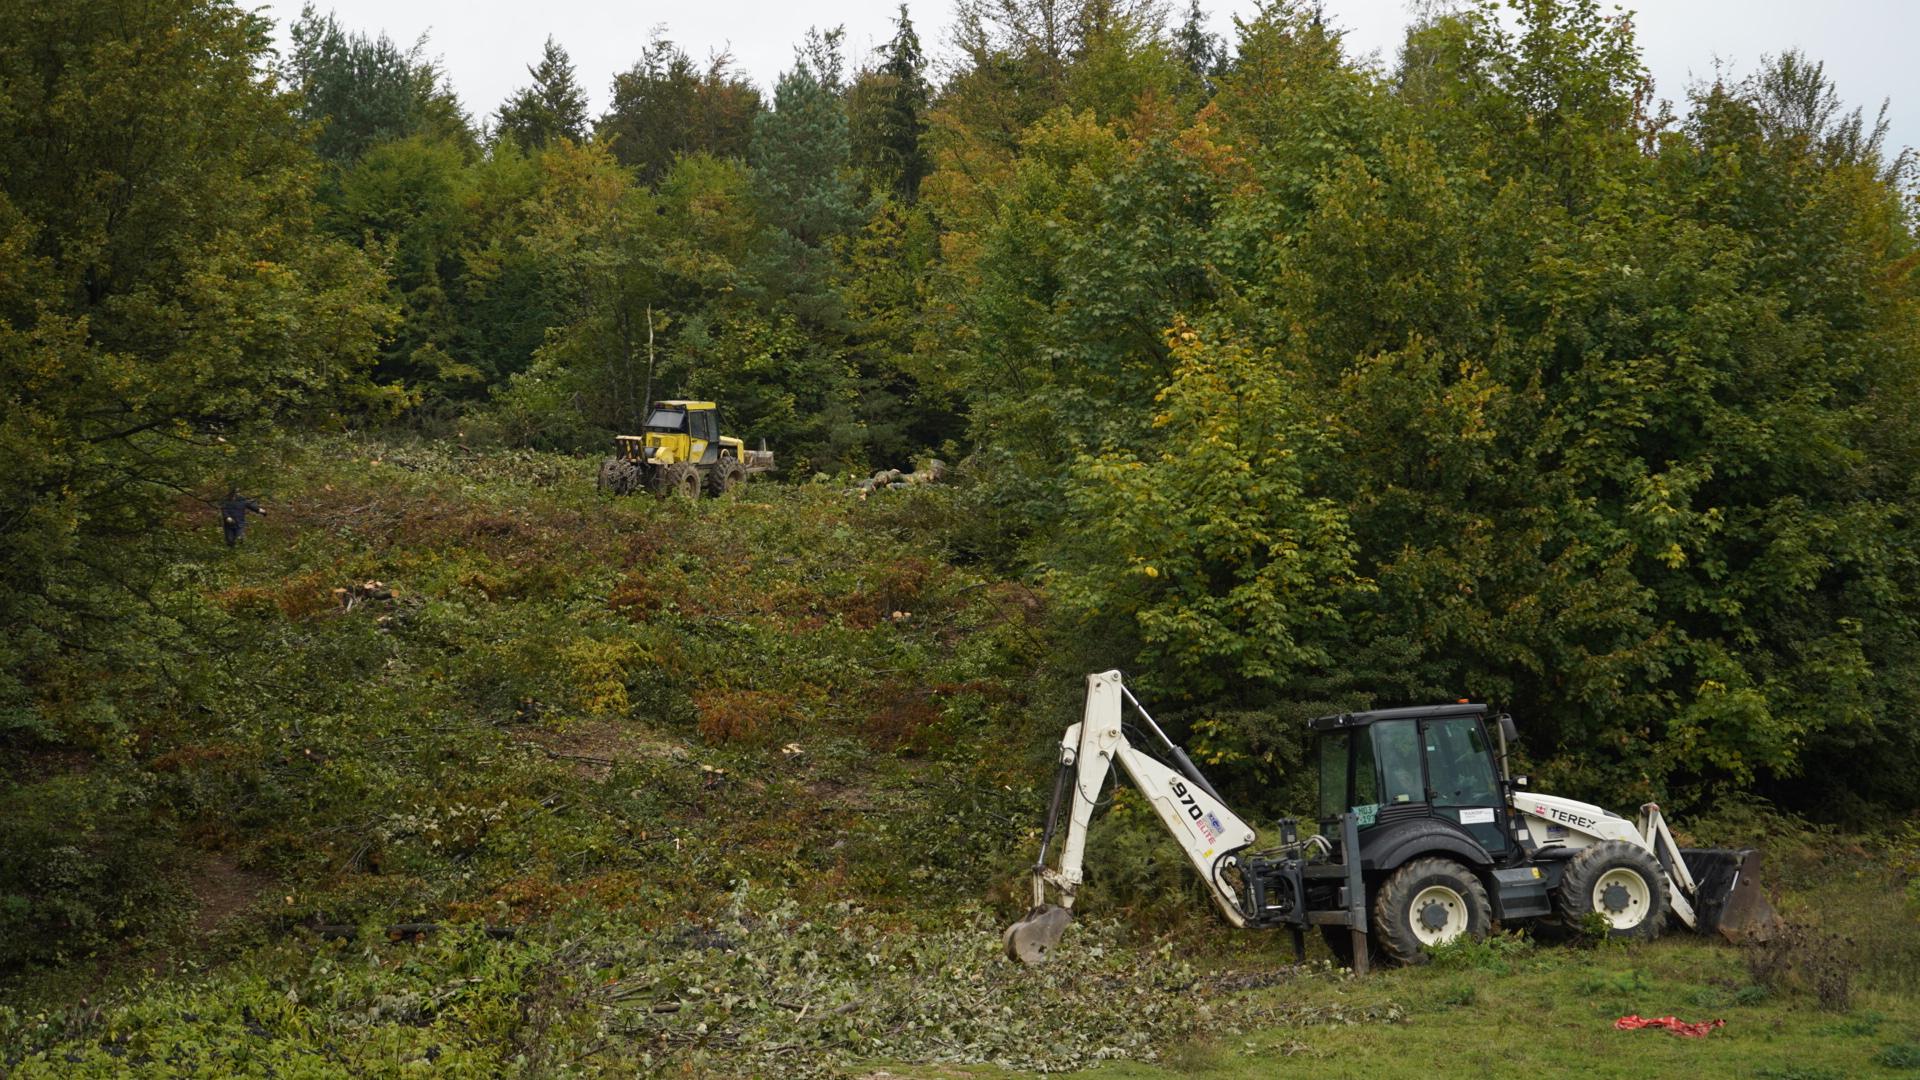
{"type": "Point", "coordinates": [1304, 383]}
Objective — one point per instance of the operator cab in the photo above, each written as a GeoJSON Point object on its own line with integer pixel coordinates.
{"type": "Point", "coordinates": [1394, 766]}
{"type": "Point", "coordinates": [698, 421]}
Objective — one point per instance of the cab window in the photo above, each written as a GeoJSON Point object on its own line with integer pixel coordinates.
{"type": "Point", "coordinates": [1333, 773]}
{"type": "Point", "coordinates": [703, 426]}
{"type": "Point", "coordinates": [667, 420]}
{"type": "Point", "coordinates": [1397, 745]}
{"type": "Point", "coordinates": [1458, 763]}
{"type": "Point", "coordinates": [1366, 773]}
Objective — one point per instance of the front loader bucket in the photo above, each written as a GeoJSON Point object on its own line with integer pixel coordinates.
{"type": "Point", "coordinates": [1032, 938]}
{"type": "Point", "coordinates": [1729, 899]}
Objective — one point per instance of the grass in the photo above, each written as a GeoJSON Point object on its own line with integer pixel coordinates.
{"type": "Point", "coordinates": [1553, 1016]}
{"type": "Point", "coordinates": [752, 783]}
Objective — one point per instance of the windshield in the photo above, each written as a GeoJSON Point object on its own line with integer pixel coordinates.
{"type": "Point", "coordinates": [667, 420]}
{"type": "Point", "coordinates": [1397, 745]}
{"type": "Point", "coordinates": [1459, 764]}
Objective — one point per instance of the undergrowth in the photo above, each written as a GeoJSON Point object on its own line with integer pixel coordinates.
{"type": "Point", "coordinates": [435, 685]}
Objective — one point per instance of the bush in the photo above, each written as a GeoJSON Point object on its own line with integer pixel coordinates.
{"type": "Point", "coordinates": [82, 868]}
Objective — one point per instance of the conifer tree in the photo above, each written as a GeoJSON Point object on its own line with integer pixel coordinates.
{"type": "Point", "coordinates": [553, 108]}
{"type": "Point", "coordinates": [1204, 54]}
{"type": "Point", "coordinates": [888, 106]}
{"type": "Point", "coordinates": [802, 150]}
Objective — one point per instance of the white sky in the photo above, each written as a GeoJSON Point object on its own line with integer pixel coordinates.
{"type": "Point", "coordinates": [485, 45]}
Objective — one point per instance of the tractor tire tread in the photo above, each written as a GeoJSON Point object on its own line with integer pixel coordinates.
{"type": "Point", "coordinates": [1391, 916]}
{"type": "Point", "coordinates": [679, 479]}
{"type": "Point", "coordinates": [726, 475]}
{"type": "Point", "coordinates": [1574, 897]}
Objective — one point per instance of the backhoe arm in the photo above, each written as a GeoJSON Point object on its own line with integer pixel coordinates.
{"type": "Point", "coordinates": [1207, 832]}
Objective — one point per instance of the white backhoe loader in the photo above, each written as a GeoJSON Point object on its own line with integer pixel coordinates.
{"type": "Point", "coordinates": [1426, 838]}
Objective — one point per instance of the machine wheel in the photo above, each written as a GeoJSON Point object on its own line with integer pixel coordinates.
{"type": "Point", "coordinates": [1620, 881]}
{"type": "Point", "coordinates": [619, 477]}
{"type": "Point", "coordinates": [680, 479]}
{"type": "Point", "coordinates": [725, 475]}
{"type": "Point", "coordinates": [1427, 902]}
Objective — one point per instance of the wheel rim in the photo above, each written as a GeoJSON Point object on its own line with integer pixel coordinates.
{"type": "Point", "coordinates": [1622, 897]}
{"type": "Point", "coordinates": [1438, 914]}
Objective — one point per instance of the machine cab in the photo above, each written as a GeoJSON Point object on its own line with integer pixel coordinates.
{"type": "Point", "coordinates": [1393, 765]}
{"type": "Point", "coordinates": [675, 431]}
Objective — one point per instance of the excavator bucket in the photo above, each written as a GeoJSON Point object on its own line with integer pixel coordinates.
{"type": "Point", "coordinates": [1032, 938]}
{"type": "Point", "coordinates": [1729, 899]}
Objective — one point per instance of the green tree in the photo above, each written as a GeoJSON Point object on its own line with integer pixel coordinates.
{"type": "Point", "coordinates": [1201, 50]}
{"type": "Point", "coordinates": [365, 91]}
{"type": "Point", "coordinates": [509, 290]}
{"type": "Point", "coordinates": [165, 304]}
{"type": "Point", "coordinates": [554, 107]}
{"type": "Point", "coordinates": [667, 107]}
{"type": "Point", "coordinates": [407, 202]}
{"type": "Point", "coordinates": [1212, 551]}
{"type": "Point", "coordinates": [887, 106]}
{"type": "Point", "coordinates": [906, 401]}
{"type": "Point", "coordinates": [804, 184]}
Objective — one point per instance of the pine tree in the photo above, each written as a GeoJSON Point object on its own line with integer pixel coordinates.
{"type": "Point", "coordinates": [802, 149]}
{"type": "Point", "coordinates": [888, 106]}
{"type": "Point", "coordinates": [1204, 54]}
{"type": "Point", "coordinates": [553, 108]}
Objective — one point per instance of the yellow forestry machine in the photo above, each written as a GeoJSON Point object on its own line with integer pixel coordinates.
{"type": "Point", "coordinates": [1427, 838]}
{"type": "Point", "coordinates": [681, 453]}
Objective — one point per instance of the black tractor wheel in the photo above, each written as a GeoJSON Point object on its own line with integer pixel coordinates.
{"type": "Point", "coordinates": [1622, 883]}
{"type": "Point", "coordinates": [608, 481]}
{"type": "Point", "coordinates": [680, 479]}
{"type": "Point", "coordinates": [1428, 902]}
{"type": "Point", "coordinates": [725, 475]}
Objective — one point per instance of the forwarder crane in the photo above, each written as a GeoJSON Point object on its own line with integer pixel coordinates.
{"type": "Point", "coordinates": [1427, 838]}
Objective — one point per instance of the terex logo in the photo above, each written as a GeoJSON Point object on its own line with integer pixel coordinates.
{"type": "Point", "coordinates": [1574, 820]}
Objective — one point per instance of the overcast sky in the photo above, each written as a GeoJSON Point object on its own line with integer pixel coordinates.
{"type": "Point", "coordinates": [485, 45]}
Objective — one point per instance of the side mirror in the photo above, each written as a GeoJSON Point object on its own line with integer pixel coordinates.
{"type": "Point", "coordinates": [1507, 730]}
{"type": "Point", "coordinates": [1520, 781]}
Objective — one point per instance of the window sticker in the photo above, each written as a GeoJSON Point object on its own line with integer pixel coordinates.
{"type": "Point", "coordinates": [1480, 816]}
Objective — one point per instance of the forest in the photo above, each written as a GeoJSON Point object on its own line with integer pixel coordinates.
{"type": "Point", "coordinates": [1288, 381]}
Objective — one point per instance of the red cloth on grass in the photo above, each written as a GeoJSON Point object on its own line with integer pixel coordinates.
{"type": "Point", "coordinates": [1678, 1027]}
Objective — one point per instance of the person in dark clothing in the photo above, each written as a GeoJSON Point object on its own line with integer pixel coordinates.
{"type": "Point", "coordinates": [233, 515]}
